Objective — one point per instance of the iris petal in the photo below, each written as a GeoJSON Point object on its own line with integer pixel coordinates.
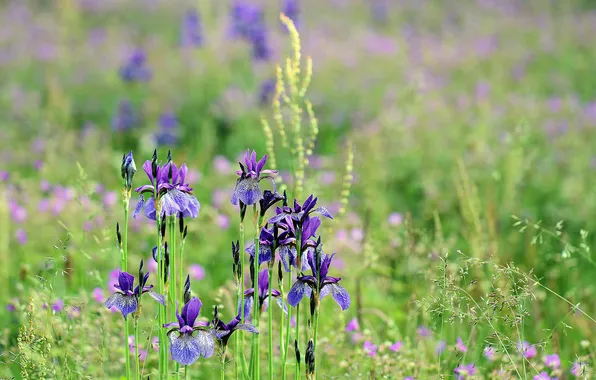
{"type": "Point", "coordinates": [340, 295]}
{"type": "Point", "coordinates": [186, 349]}
{"type": "Point", "coordinates": [296, 293]}
{"type": "Point", "coordinates": [126, 304]}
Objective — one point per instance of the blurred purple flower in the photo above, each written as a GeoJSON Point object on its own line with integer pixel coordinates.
{"type": "Point", "coordinates": [464, 370]}
{"type": "Point", "coordinates": [196, 271]}
{"type": "Point", "coordinates": [552, 361]}
{"type": "Point", "coordinates": [43, 205]}
{"type": "Point", "coordinates": [423, 331]}
{"type": "Point", "coordinates": [578, 369]}
{"type": "Point", "coordinates": [110, 198]}
{"type": "Point", "coordinates": [168, 133]}
{"type": "Point", "coordinates": [58, 305]}
{"type": "Point", "coordinates": [460, 346]}
{"type": "Point", "coordinates": [113, 280]}
{"type": "Point", "coordinates": [369, 348]}
{"type": "Point", "coordinates": [221, 165]}
{"type": "Point", "coordinates": [293, 321]}
{"type": "Point", "coordinates": [489, 353]}
{"type": "Point", "coordinates": [45, 186]}
{"type": "Point", "coordinates": [291, 9]}
{"type": "Point", "coordinates": [529, 351]}
{"type": "Point", "coordinates": [125, 117]}
{"type": "Point", "coordinates": [4, 175]}
{"type": "Point", "coordinates": [21, 236]}
{"type": "Point", "coordinates": [97, 295]}
{"type": "Point", "coordinates": [395, 347]}
{"type": "Point", "coordinates": [222, 221]}
{"type": "Point", "coordinates": [441, 347]}
{"type": "Point", "coordinates": [19, 214]}
{"type": "Point", "coordinates": [37, 165]}
{"type": "Point", "coordinates": [10, 307]}
{"type": "Point", "coordinates": [267, 91]}
{"type": "Point", "coordinates": [395, 219]}
{"type": "Point", "coordinates": [135, 69]}
{"type": "Point", "coordinates": [191, 34]}
{"type": "Point", "coordinates": [352, 325]}
{"type": "Point", "coordinates": [155, 343]}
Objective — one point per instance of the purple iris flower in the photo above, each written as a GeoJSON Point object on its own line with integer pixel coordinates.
{"type": "Point", "coordinates": [191, 33]}
{"type": "Point", "coordinates": [287, 241]}
{"type": "Point", "coordinates": [263, 292]}
{"type": "Point", "coordinates": [185, 346]}
{"type": "Point", "coordinates": [135, 69]}
{"type": "Point", "coordinates": [126, 297]}
{"type": "Point", "coordinates": [266, 246]}
{"type": "Point", "coordinates": [223, 331]}
{"type": "Point", "coordinates": [125, 118]}
{"type": "Point", "coordinates": [304, 285]}
{"type": "Point", "coordinates": [168, 133]}
{"type": "Point", "coordinates": [300, 213]}
{"type": "Point", "coordinates": [167, 186]}
{"type": "Point", "coordinates": [248, 189]}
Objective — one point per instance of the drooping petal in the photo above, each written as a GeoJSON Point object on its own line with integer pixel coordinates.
{"type": "Point", "coordinates": [248, 303]}
{"type": "Point", "coordinates": [206, 343]}
{"type": "Point", "coordinates": [150, 209]}
{"type": "Point", "coordinates": [323, 212]}
{"type": "Point", "coordinates": [170, 202]}
{"type": "Point", "coordinates": [282, 304]}
{"type": "Point", "coordinates": [219, 334]}
{"type": "Point", "coordinates": [193, 208]}
{"type": "Point", "coordinates": [158, 297]}
{"type": "Point", "coordinates": [296, 293]}
{"type": "Point", "coordinates": [287, 257]}
{"type": "Point", "coordinates": [249, 191]}
{"type": "Point", "coordinates": [186, 349]}
{"type": "Point", "coordinates": [140, 206]}
{"type": "Point", "coordinates": [191, 311]}
{"type": "Point", "coordinates": [247, 327]}
{"type": "Point", "coordinates": [340, 295]}
{"type": "Point", "coordinates": [277, 218]}
{"type": "Point", "coordinates": [234, 199]}
{"type": "Point", "coordinates": [126, 304]}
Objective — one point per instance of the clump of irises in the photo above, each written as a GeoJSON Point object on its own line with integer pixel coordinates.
{"type": "Point", "coordinates": [289, 235]}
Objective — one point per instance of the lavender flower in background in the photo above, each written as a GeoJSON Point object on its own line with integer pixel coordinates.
{"type": "Point", "coordinates": [552, 361]}
{"type": "Point", "coordinates": [464, 370]}
{"type": "Point", "coordinates": [266, 91]}
{"type": "Point", "coordinates": [58, 305]}
{"type": "Point", "coordinates": [125, 118]}
{"type": "Point", "coordinates": [489, 353]}
{"type": "Point", "coordinates": [304, 285]}
{"type": "Point", "coordinates": [460, 346]}
{"type": "Point", "coordinates": [259, 39]}
{"type": "Point", "coordinates": [135, 69]}
{"type": "Point", "coordinates": [4, 176]}
{"type": "Point", "coordinates": [221, 164]}
{"type": "Point", "coordinates": [21, 236]}
{"type": "Point", "coordinates": [369, 348]}
{"type": "Point", "coordinates": [263, 294]}
{"type": "Point", "coordinates": [223, 331]}
{"type": "Point", "coordinates": [352, 325]}
{"type": "Point", "coordinates": [395, 347]}
{"type": "Point", "coordinates": [248, 23]}
{"type": "Point", "coordinates": [126, 298]}
{"type": "Point", "coordinates": [168, 132]}
{"type": "Point", "coordinates": [441, 347]}
{"type": "Point", "coordinates": [526, 349]}
{"type": "Point", "coordinates": [185, 346]}
{"type": "Point", "coordinates": [424, 332]}
{"type": "Point", "coordinates": [174, 196]}
{"type": "Point", "coordinates": [578, 369]}
{"type": "Point", "coordinates": [248, 188]}
{"type": "Point", "coordinates": [191, 34]}
{"type": "Point", "coordinates": [196, 272]}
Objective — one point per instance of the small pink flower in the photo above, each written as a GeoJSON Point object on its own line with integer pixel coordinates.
{"type": "Point", "coordinates": [369, 348]}
{"type": "Point", "coordinates": [196, 272]}
{"type": "Point", "coordinates": [489, 353]}
{"type": "Point", "coordinates": [352, 325]}
{"type": "Point", "coordinates": [395, 219]}
{"type": "Point", "coordinates": [460, 346]}
{"type": "Point", "coordinates": [395, 347]}
{"type": "Point", "coordinates": [528, 350]}
{"type": "Point", "coordinates": [155, 344]}
{"type": "Point", "coordinates": [97, 295]}
{"type": "Point", "coordinates": [578, 369]}
{"type": "Point", "coordinates": [58, 305]}
{"type": "Point", "coordinates": [21, 236]}
{"type": "Point", "coordinates": [222, 221]}
{"type": "Point", "coordinates": [356, 337]}
{"type": "Point", "coordinates": [222, 165]}
{"type": "Point", "coordinates": [109, 199]}
{"type": "Point", "coordinates": [552, 361]}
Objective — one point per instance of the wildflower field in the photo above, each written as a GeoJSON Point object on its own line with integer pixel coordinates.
{"type": "Point", "coordinates": [297, 189]}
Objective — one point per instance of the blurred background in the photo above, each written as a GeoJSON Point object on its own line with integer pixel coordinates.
{"type": "Point", "coordinates": [459, 115]}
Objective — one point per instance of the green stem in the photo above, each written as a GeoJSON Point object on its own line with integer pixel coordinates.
{"type": "Point", "coordinates": [136, 332]}
{"type": "Point", "coordinates": [237, 337]}
{"type": "Point", "coordinates": [161, 308]}
{"type": "Point", "coordinates": [242, 311]}
{"type": "Point", "coordinates": [287, 334]}
{"type": "Point", "coordinates": [256, 307]}
{"type": "Point", "coordinates": [299, 263]}
{"type": "Point", "coordinates": [124, 261]}
{"type": "Point", "coordinates": [223, 365]}
{"type": "Point", "coordinates": [180, 270]}
{"type": "Point", "coordinates": [270, 319]}
{"type": "Point", "coordinates": [185, 372]}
